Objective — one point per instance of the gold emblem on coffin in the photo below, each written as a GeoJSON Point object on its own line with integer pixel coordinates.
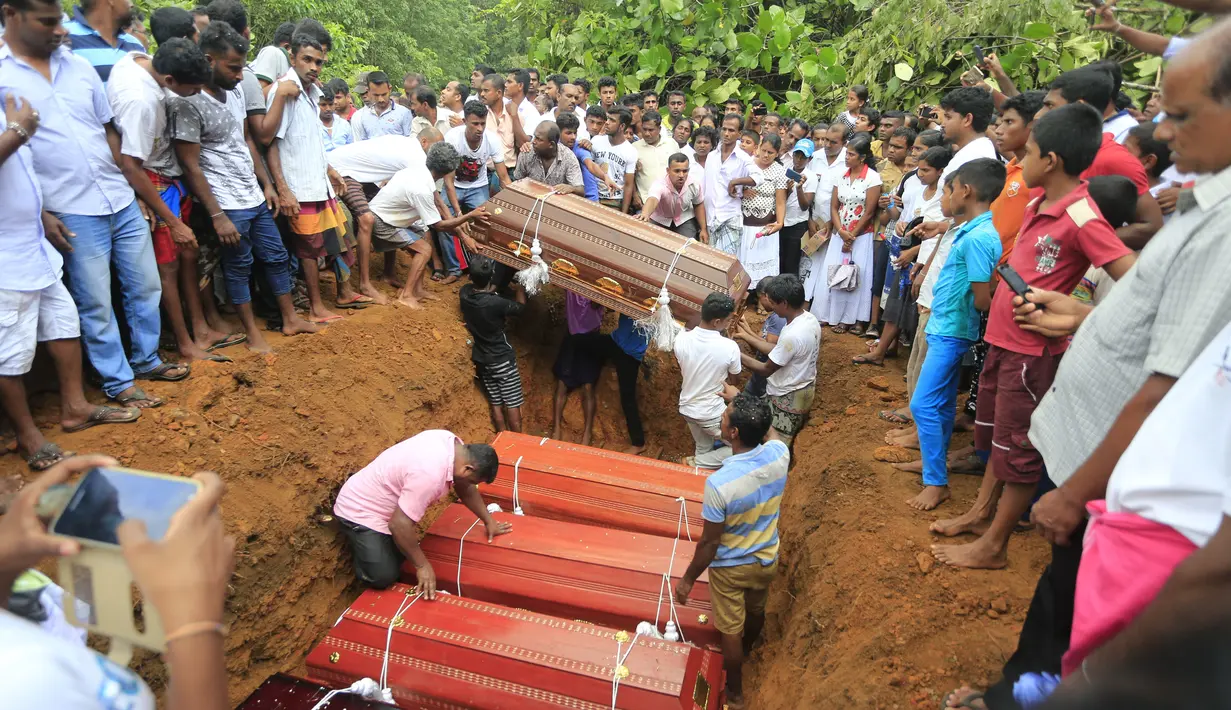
{"type": "Point", "coordinates": [566, 267]}
{"type": "Point", "coordinates": [701, 692]}
{"type": "Point", "coordinates": [738, 284]}
{"type": "Point", "coordinates": [398, 622]}
{"type": "Point", "coordinates": [522, 250]}
{"type": "Point", "coordinates": [335, 657]}
{"type": "Point", "coordinates": [610, 285]}
{"type": "Point", "coordinates": [622, 636]}
{"type": "Point", "coordinates": [621, 672]}
{"type": "Point", "coordinates": [703, 619]}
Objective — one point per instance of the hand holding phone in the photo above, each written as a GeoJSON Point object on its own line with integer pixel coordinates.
{"type": "Point", "coordinates": [794, 175]}
{"type": "Point", "coordinates": [979, 55]}
{"type": "Point", "coordinates": [108, 496]}
{"type": "Point", "coordinates": [1013, 280]}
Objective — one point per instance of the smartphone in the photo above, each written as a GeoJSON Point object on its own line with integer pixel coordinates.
{"type": "Point", "coordinates": [979, 55]}
{"type": "Point", "coordinates": [106, 497]}
{"type": "Point", "coordinates": [794, 175]}
{"type": "Point", "coordinates": [1014, 280]}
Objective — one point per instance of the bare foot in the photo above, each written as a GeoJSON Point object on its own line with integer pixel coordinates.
{"type": "Point", "coordinates": [298, 326]}
{"type": "Point", "coordinates": [975, 555]}
{"type": "Point", "coordinates": [910, 441]}
{"type": "Point", "coordinates": [322, 315]}
{"type": "Point", "coordinates": [965, 698]}
{"type": "Point", "coordinates": [374, 293]}
{"type": "Point", "coordinates": [972, 521]}
{"type": "Point", "coordinates": [450, 279]}
{"type": "Point", "coordinates": [899, 433]}
{"type": "Point", "coordinates": [392, 280]}
{"type": "Point", "coordinates": [410, 302]}
{"type": "Point", "coordinates": [929, 497]}
{"type": "Point", "coordinates": [426, 296]}
{"type": "Point", "coordinates": [635, 450]}
{"type": "Point", "coordinates": [193, 352]}
{"type": "Point", "coordinates": [208, 336]}
{"type": "Point", "coordinates": [259, 344]}
{"type": "Point", "coordinates": [910, 466]}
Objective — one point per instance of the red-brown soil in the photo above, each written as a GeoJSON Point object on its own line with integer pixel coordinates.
{"type": "Point", "coordinates": [859, 617]}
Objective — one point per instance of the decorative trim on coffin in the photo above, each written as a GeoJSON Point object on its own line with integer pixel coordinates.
{"type": "Point", "coordinates": [512, 439]}
{"type": "Point", "coordinates": [504, 491]}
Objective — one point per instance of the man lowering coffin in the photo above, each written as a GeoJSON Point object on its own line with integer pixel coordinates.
{"type": "Point", "coordinates": [380, 507]}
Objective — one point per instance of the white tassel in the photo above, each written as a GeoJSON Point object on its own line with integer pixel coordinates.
{"type": "Point", "coordinates": [671, 633]}
{"type": "Point", "coordinates": [645, 628]}
{"type": "Point", "coordinates": [494, 508]}
{"type": "Point", "coordinates": [537, 274]}
{"type": "Point", "coordinates": [660, 326]}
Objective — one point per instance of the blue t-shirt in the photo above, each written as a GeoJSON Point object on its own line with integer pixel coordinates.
{"type": "Point", "coordinates": [587, 178]}
{"type": "Point", "coordinates": [744, 494]}
{"type": "Point", "coordinates": [629, 338]}
{"type": "Point", "coordinates": [972, 258]}
{"type": "Point", "coordinates": [773, 326]}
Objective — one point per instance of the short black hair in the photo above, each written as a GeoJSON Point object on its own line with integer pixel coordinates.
{"type": "Point", "coordinates": [716, 305]}
{"type": "Point", "coordinates": [1073, 132]}
{"type": "Point", "coordinates": [419, 78]}
{"type": "Point", "coordinates": [847, 130]}
{"type": "Point", "coordinates": [1143, 133]}
{"type": "Point", "coordinates": [985, 176]}
{"type": "Point", "coordinates": [521, 77]}
{"type": "Point", "coordinates": [1115, 71]}
{"type": "Point", "coordinates": [631, 100]}
{"type": "Point", "coordinates": [220, 38]}
{"type": "Point", "coordinates": [932, 138]}
{"type": "Point", "coordinates": [972, 101]}
{"type": "Point", "coordinates": [774, 115]}
{"type": "Point", "coordinates": [313, 27]}
{"type": "Point", "coordinates": [786, 288]}
{"type": "Point", "coordinates": [736, 101]}
{"type": "Point", "coordinates": [937, 156]}
{"type": "Point", "coordinates": [1026, 104]}
{"type": "Point", "coordinates": [463, 90]}
{"type": "Point", "coordinates": [648, 93]}
{"type": "Point", "coordinates": [495, 80]}
{"type": "Point", "coordinates": [803, 124]}
{"type": "Point", "coordinates": [1116, 198]}
{"type": "Point", "coordinates": [1123, 101]}
{"type": "Point", "coordinates": [597, 111]}
{"type": "Point", "coordinates": [895, 115]}
{"type": "Point", "coordinates": [677, 92]}
{"type": "Point", "coordinates": [707, 132]}
{"type": "Point", "coordinates": [604, 81]}
{"type": "Point", "coordinates": [684, 120]}
{"type": "Point", "coordinates": [861, 145]}
{"type": "Point", "coordinates": [378, 77]}
{"type": "Point", "coordinates": [305, 39]}
{"type": "Point", "coordinates": [733, 117]}
{"type": "Point", "coordinates": [486, 462]}
{"type": "Point", "coordinates": [557, 79]}
{"type": "Point", "coordinates": [169, 22]}
{"type": "Point", "coordinates": [284, 33]}
{"type": "Point", "coordinates": [532, 71]}
{"type": "Point", "coordinates": [621, 114]}
{"type": "Point", "coordinates": [425, 94]}
{"type": "Point", "coordinates": [232, 12]}
{"type": "Point", "coordinates": [484, 69]}
{"type": "Point", "coordinates": [584, 83]}
{"type": "Point", "coordinates": [1090, 86]}
{"type": "Point", "coordinates": [482, 270]}
{"type": "Point", "coordinates": [652, 117]}
{"type": "Point", "coordinates": [566, 120]}
{"type": "Point", "coordinates": [872, 115]}
{"type": "Point", "coordinates": [474, 108]}
{"type": "Point", "coordinates": [749, 133]}
{"type": "Point", "coordinates": [183, 60]}
{"type": "Point", "coordinates": [904, 132]}
{"type": "Point", "coordinates": [751, 418]}
{"type": "Point", "coordinates": [677, 158]}
{"type": "Point", "coordinates": [773, 139]}
{"type": "Point", "coordinates": [337, 86]}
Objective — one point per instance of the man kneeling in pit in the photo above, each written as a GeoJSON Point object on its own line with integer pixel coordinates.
{"type": "Point", "coordinates": [380, 507]}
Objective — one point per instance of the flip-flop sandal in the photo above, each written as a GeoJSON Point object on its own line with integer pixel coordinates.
{"type": "Point", "coordinates": [967, 702]}
{"type": "Point", "coordinates": [139, 395]}
{"type": "Point", "coordinates": [872, 333]}
{"type": "Point", "coordinates": [864, 360]}
{"type": "Point", "coordinates": [232, 339]}
{"type": "Point", "coordinates": [839, 329]}
{"type": "Point", "coordinates": [359, 302]}
{"type": "Point", "coordinates": [325, 321]}
{"type": "Point", "coordinates": [159, 374]}
{"type": "Point", "coordinates": [438, 275]}
{"type": "Point", "coordinates": [48, 455]}
{"type": "Point", "coordinates": [893, 417]}
{"type": "Point", "coordinates": [103, 415]}
{"type": "Point", "coordinates": [856, 331]}
{"type": "Point", "coordinates": [217, 358]}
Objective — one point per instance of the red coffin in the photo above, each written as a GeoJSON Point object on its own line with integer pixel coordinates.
{"type": "Point", "coordinates": [464, 653]}
{"type": "Point", "coordinates": [583, 484]}
{"type": "Point", "coordinates": [286, 692]}
{"type": "Point", "coordinates": [599, 575]}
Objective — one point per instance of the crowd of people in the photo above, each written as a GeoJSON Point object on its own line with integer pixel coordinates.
{"type": "Point", "coordinates": [1054, 254]}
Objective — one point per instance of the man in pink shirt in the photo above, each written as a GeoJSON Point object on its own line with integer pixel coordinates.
{"type": "Point", "coordinates": [677, 200]}
{"type": "Point", "coordinates": [380, 507]}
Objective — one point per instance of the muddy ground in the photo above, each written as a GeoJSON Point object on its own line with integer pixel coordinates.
{"type": "Point", "coordinates": [859, 617]}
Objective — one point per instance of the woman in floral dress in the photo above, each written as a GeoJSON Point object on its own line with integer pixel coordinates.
{"type": "Point", "coordinates": [764, 209]}
{"type": "Point", "coordinates": [854, 207]}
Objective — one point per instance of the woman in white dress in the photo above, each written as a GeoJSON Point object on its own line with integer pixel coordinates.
{"type": "Point", "coordinates": [853, 207]}
{"type": "Point", "coordinates": [764, 209]}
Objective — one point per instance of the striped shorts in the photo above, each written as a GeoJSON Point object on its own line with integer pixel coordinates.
{"type": "Point", "coordinates": [500, 382]}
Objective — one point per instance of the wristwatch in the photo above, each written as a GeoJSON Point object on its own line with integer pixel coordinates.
{"type": "Point", "coordinates": [21, 132]}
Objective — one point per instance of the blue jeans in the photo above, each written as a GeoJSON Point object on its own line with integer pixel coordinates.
{"type": "Point", "coordinates": [121, 240]}
{"type": "Point", "coordinates": [934, 404]}
{"type": "Point", "coordinates": [259, 234]}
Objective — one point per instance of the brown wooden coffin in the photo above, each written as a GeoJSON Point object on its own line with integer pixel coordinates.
{"type": "Point", "coordinates": [583, 484]}
{"type": "Point", "coordinates": [286, 692]}
{"type": "Point", "coordinates": [604, 255]}
{"type": "Point", "coordinates": [599, 575]}
{"type": "Point", "coordinates": [466, 654]}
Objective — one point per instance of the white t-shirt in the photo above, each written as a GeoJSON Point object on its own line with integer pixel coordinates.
{"type": "Point", "coordinates": [1119, 125]}
{"type": "Point", "coordinates": [981, 147]}
{"type": "Point", "coordinates": [794, 214]}
{"type": "Point", "coordinates": [409, 197]}
{"type": "Point", "coordinates": [706, 358]}
{"type": "Point", "coordinates": [140, 108]}
{"type": "Point", "coordinates": [930, 210]}
{"type": "Point", "coordinates": [1177, 470]}
{"type": "Point", "coordinates": [377, 159]}
{"type": "Point", "coordinates": [271, 63]}
{"type": "Point", "coordinates": [796, 353]}
{"type": "Point", "coordinates": [44, 671]}
{"type": "Point", "coordinates": [472, 171]}
{"type": "Point", "coordinates": [618, 159]}
{"type": "Point", "coordinates": [529, 115]}
{"type": "Point", "coordinates": [912, 192]}
{"type": "Point", "coordinates": [944, 244]}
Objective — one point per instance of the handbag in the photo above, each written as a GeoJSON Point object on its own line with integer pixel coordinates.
{"type": "Point", "coordinates": [844, 276]}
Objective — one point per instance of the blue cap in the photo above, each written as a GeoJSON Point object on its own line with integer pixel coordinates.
{"type": "Point", "coordinates": [805, 146]}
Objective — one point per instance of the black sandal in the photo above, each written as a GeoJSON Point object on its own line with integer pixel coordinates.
{"type": "Point", "coordinates": [48, 455]}
{"type": "Point", "coordinates": [139, 395]}
{"type": "Point", "coordinates": [159, 373]}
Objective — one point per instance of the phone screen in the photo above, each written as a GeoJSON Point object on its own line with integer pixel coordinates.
{"type": "Point", "coordinates": [107, 497]}
{"type": "Point", "coordinates": [794, 175]}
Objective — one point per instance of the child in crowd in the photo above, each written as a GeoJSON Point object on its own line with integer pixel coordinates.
{"type": "Point", "coordinates": [748, 142]}
{"type": "Point", "coordinates": [495, 364]}
{"type": "Point", "coordinates": [963, 288]}
{"type": "Point", "coordinates": [707, 360]}
{"type": "Point", "coordinates": [1155, 157]}
{"type": "Point", "coordinates": [1062, 234]}
{"type": "Point", "coordinates": [770, 330]}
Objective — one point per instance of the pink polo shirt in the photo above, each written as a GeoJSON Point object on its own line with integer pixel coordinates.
{"type": "Point", "coordinates": [411, 475]}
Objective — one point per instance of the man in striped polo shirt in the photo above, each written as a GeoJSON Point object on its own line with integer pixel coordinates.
{"type": "Point", "coordinates": [97, 35]}
{"type": "Point", "coordinates": [739, 544]}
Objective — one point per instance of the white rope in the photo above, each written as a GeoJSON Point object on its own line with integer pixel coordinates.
{"type": "Point", "coordinates": [516, 499]}
{"type": "Point", "coordinates": [460, 544]}
{"type": "Point", "coordinates": [365, 687]}
{"type": "Point", "coordinates": [674, 628]}
{"type": "Point", "coordinates": [538, 273]}
{"type": "Point", "coordinates": [659, 326]}
{"type": "Point", "coordinates": [544, 440]}
{"type": "Point", "coordinates": [407, 603]}
{"type": "Point", "coordinates": [621, 657]}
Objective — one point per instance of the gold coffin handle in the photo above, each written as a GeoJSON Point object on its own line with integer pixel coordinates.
{"type": "Point", "coordinates": [522, 250]}
{"type": "Point", "coordinates": [610, 285]}
{"type": "Point", "coordinates": [566, 267]}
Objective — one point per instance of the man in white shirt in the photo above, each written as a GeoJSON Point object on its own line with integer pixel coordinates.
{"type": "Point", "coordinates": [707, 361]}
{"type": "Point", "coordinates": [791, 368]}
{"type": "Point", "coordinates": [653, 151]}
{"type": "Point", "coordinates": [406, 207]}
{"type": "Point", "coordinates": [569, 100]}
{"type": "Point", "coordinates": [677, 200]}
{"type": "Point", "coordinates": [306, 184]}
{"type": "Point", "coordinates": [138, 91]}
{"type": "Point", "coordinates": [724, 164]}
{"type": "Point", "coordinates": [450, 102]}
{"type": "Point", "coordinates": [968, 111]}
{"type": "Point", "coordinates": [516, 85]}
{"type": "Point", "coordinates": [618, 158]}
{"type": "Point", "coordinates": [423, 103]}
{"type": "Point", "coordinates": [383, 115]}
{"type": "Point", "coordinates": [830, 162]}
{"type": "Point", "coordinates": [274, 60]}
